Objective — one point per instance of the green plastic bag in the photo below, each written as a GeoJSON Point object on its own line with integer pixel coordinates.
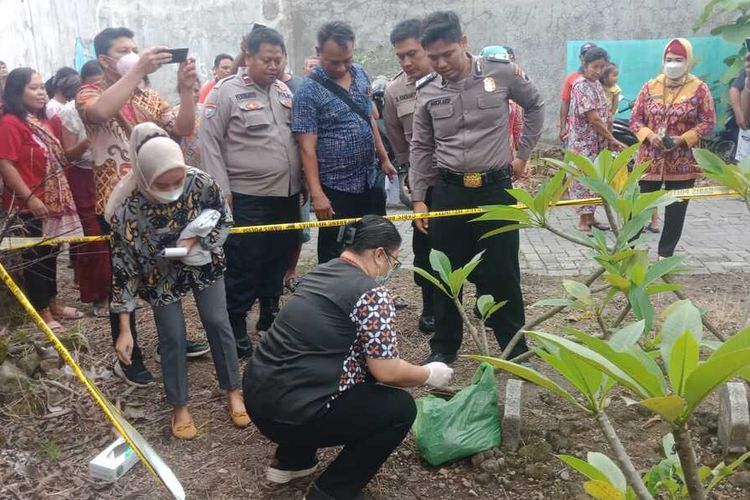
{"type": "Point", "coordinates": [463, 426]}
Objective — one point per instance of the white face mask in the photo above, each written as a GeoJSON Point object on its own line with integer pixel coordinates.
{"type": "Point", "coordinates": [126, 62]}
{"type": "Point", "coordinates": [167, 196]}
{"type": "Point", "coordinates": [675, 69]}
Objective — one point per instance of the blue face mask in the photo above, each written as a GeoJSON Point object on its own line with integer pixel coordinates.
{"type": "Point", "coordinates": [383, 278]}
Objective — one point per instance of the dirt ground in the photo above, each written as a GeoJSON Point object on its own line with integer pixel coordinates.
{"type": "Point", "coordinates": [47, 457]}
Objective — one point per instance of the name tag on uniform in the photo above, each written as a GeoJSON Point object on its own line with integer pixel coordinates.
{"type": "Point", "coordinates": [440, 101]}
{"type": "Point", "coordinates": [245, 95]}
{"type": "Point", "coordinates": [406, 97]}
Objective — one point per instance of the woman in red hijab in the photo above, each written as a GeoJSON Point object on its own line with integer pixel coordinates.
{"type": "Point", "coordinates": [670, 115]}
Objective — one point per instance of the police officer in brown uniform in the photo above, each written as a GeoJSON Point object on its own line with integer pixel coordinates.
{"type": "Point", "coordinates": [461, 119]}
{"type": "Point", "coordinates": [400, 99]}
{"type": "Point", "coordinates": [247, 145]}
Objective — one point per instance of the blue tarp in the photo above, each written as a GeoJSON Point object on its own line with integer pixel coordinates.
{"type": "Point", "coordinates": [640, 61]}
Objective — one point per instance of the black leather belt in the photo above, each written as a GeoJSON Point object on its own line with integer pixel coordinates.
{"type": "Point", "coordinates": [475, 179]}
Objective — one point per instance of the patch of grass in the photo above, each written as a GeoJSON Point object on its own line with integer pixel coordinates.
{"type": "Point", "coordinates": [50, 449]}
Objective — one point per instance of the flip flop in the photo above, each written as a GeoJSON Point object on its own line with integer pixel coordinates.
{"type": "Point", "coordinates": [69, 313]}
{"type": "Point", "coordinates": [652, 229]}
{"type": "Point", "coordinates": [56, 327]}
{"type": "Point", "coordinates": [99, 310]}
{"type": "Point", "coordinates": [601, 226]}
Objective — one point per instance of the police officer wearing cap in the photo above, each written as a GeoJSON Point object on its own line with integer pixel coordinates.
{"type": "Point", "coordinates": [247, 145]}
{"type": "Point", "coordinates": [400, 99]}
{"type": "Point", "coordinates": [460, 145]}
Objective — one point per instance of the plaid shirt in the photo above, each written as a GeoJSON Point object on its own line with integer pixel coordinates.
{"type": "Point", "coordinates": [346, 148]}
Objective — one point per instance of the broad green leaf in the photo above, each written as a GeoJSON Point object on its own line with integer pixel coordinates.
{"type": "Point", "coordinates": [595, 359]}
{"type": "Point", "coordinates": [583, 467]}
{"type": "Point", "coordinates": [740, 340]}
{"type": "Point", "coordinates": [431, 278]}
{"type": "Point", "coordinates": [668, 446]}
{"type": "Point", "coordinates": [669, 407]}
{"type": "Point", "coordinates": [557, 187]}
{"type": "Point", "coordinates": [495, 308]}
{"type": "Point", "coordinates": [580, 163]}
{"type": "Point", "coordinates": [588, 375]}
{"type": "Point", "coordinates": [600, 188]}
{"type": "Point", "coordinates": [622, 160]}
{"type": "Point", "coordinates": [609, 468]}
{"type": "Point", "coordinates": [662, 288]}
{"type": "Point", "coordinates": [627, 336]}
{"type": "Point", "coordinates": [635, 176]}
{"type": "Point", "coordinates": [632, 228]}
{"type": "Point", "coordinates": [618, 282]}
{"type": "Point", "coordinates": [460, 275]}
{"type": "Point", "coordinates": [633, 361]}
{"type": "Point", "coordinates": [650, 201]}
{"type": "Point", "coordinates": [570, 374]}
{"type": "Point", "coordinates": [578, 291]}
{"type": "Point", "coordinates": [664, 267]}
{"type": "Point", "coordinates": [679, 317]}
{"type": "Point", "coordinates": [441, 264]}
{"type": "Point", "coordinates": [522, 196]}
{"type": "Point", "coordinates": [726, 471]}
{"type": "Point", "coordinates": [484, 303]}
{"type": "Point", "coordinates": [532, 376]}
{"type": "Point", "coordinates": [504, 229]}
{"type": "Point", "coordinates": [602, 490]}
{"type": "Point", "coordinates": [553, 302]}
{"type": "Point", "coordinates": [682, 361]}
{"type": "Point", "coordinates": [637, 274]}
{"type": "Point", "coordinates": [708, 161]}
{"type": "Point", "coordinates": [711, 374]}
{"type": "Point", "coordinates": [642, 307]}
{"type": "Point", "coordinates": [733, 33]}
{"type": "Point", "coordinates": [503, 212]}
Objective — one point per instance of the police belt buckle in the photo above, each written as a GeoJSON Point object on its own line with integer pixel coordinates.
{"type": "Point", "coordinates": [472, 180]}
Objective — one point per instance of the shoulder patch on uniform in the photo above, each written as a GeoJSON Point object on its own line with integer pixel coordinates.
{"type": "Point", "coordinates": [501, 58]}
{"type": "Point", "coordinates": [209, 110]}
{"type": "Point", "coordinates": [281, 86]}
{"type": "Point", "coordinates": [425, 80]}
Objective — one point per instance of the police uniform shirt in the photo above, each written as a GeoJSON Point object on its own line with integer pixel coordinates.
{"type": "Point", "coordinates": [400, 99]}
{"type": "Point", "coordinates": [464, 124]}
{"type": "Point", "coordinates": [246, 140]}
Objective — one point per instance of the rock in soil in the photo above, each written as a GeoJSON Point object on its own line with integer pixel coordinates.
{"type": "Point", "coordinates": [491, 466]}
{"type": "Point", "coordinates": [536, 451]}
{"type": "Point", "coordinates": [741, 479]}
{"type": "Point", "coordinates": [535, 471]}
{"type": "Point", "coordinates": [29, 363]}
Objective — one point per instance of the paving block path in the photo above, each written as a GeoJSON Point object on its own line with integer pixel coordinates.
{"type": "Point", "coordinates": [716, 239]}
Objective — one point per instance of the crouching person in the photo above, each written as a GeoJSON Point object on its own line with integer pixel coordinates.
{"type": "Point", "coordinates": [327, 372]}
{"type": "Point", "coordinates": [162, 204]}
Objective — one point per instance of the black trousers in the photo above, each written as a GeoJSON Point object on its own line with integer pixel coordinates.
{"type": "Point", "coordinates": [40, 267]}
{"type": "Point", "coordinates": [257, 262]}
{"type": "Point", "coordinates": [347, 205]}
{"type": "Point", "coordinates": [498, 275]}
{"type": "Point", "coordinates": [420, 245]}
{"type": "Point", "coordinates": [369, 420]}
{"type": "Point", "coordinates": [674, 214]}
{"type": "Point", "coordinates": [114, 319]}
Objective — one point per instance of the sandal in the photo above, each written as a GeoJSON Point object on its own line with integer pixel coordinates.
{"type": "Point", "coordinates": [100, 310]}
{"type": "Point", "coordinates": [601, 226]}
{"type": "Point", "coordinates": [239, 418]}
{"type": "Point", "coordinates": [184, 431]}
{"type": "Point", "coordinates": [56, 327]}
{"type": "Point", "coordinates": [652, 229]}
{"type": "Point", "coordinates": [67, 312]}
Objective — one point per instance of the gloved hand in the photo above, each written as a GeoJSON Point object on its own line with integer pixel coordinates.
{"type": "Point", "coordinates": [440, 374]}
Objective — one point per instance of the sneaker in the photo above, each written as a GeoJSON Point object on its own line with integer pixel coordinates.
{"type": "Point", "coordinates": [194, 350]}
{"type": "Point", "coordinates": [269, 309]}
{"type": "Point", "coordinates": [426, 324]}
{"type": "Point", "coordinates": [136, 374]}
{"type": "Point", "coordinates": [278, 474]}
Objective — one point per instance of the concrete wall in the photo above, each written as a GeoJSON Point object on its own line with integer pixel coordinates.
{"type": "Point", "coordinates": [42, 33]}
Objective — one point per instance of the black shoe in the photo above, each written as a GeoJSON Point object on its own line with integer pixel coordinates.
{"type": "Point", "coordinates": [245, 351]}
{"type": "Point", "coordinates": [439, 357]}
{"type": "Point", "coordinates": [196, 349]}
{"type": "Point", "coordinates": [279, 474]}
{"type": "Point", "coordinates": [136, 374]}
{"type": "Point", "coordinates": [427, 324]}
{"type": "Point", "coordinates": [269, 309]}
{"type": "Point", "coordinates": [315, 493]}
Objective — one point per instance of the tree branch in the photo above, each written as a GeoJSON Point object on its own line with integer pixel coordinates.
{"type": "Point", "coordinates": [622, 458]}
{"type": "Point", "coordinates": [689, 463]}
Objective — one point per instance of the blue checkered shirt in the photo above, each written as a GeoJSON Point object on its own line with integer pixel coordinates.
{"type": "Point", "coordinates": [346, 148]}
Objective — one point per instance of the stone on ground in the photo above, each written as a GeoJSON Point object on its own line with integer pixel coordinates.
{"type": "Point", "coordinates": [512, 414]}
{"type": "Point", "coordinates": [734, 417]}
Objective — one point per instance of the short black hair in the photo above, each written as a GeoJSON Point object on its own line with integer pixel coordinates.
{"type": "Point", "coordinates": [221, 57]}
{"type": "Point", "coordinates": [405, 30]}
{"type": "Point", "coordinates": [66, 81]}
{"type": "Point", "coordinates": [91, 68]}
{"type": "Point", "coordinates": [13, 92]}
{"type": "Point", "coordinates": [441, 25]}
{"type": "Point", "coordinates": [260, 35]}
{"type": "Point", "coordinates": [103, 41]}
{"type": "Point", "coordinates": [338, 31]}
{"type": "Point", "coordinates": [371, 231]}
{"type": "Point", "coordinates": [594, 54]}
{"type": "Point", "coordinates": [607, 71]}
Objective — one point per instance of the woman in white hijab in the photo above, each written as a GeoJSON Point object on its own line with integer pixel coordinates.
{"type": "Point", "coordinates": [169, 222]}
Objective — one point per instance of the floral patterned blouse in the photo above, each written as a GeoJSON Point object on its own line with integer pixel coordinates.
{"type": "Point", "coordinates": [686, 111]}
{"type": "Point", "coordinates": [583, 138]}
{"type": "Point", "coordinates": [141, 230]}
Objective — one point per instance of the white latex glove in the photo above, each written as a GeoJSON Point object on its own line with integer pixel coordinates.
{"type": "Point", "coordinates": [440, 374]}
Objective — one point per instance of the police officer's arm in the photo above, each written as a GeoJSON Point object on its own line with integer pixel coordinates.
{"type": "Point", "coordinates": [525, 93]}
{"type": "Point", "coordinates": [216, 115]}
{"type": "Point", "coordinates": [394, 129]}
{"type": "Point", "coordinates": [422, 172]}
{"type": "Point", "coordinates": [385, 162]}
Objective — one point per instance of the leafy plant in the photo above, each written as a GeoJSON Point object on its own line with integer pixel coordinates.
{"type": "Point", "coordinates": [734, 33]}
{"type": "Point", "coordinates": [605, 480]}
{"type": "Point", "coordinates": [451, 283]}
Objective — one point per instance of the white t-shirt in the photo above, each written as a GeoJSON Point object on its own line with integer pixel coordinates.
{"type": "Point", "coordinates": [743, 145]}
{"type": "Point", "coordinates": [53, 108]}
{"type": "Point", "coordinates": [71, 120]}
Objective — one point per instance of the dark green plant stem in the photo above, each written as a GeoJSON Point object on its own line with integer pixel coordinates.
{"type": "Point", "coordinates": [611, 218]}
{"type": "Point", "coordinates": [568, 237]}
{"type": "Point", "coordinates": [621, 317]}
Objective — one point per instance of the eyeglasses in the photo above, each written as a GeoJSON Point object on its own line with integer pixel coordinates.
{"type": "Point", "coordinates": [397, 263]}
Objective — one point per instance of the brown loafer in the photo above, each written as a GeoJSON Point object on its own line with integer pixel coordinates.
{"type": "Point", "coordinates": [239, 418]}
{"type": "Point", "coordinates": [184, 431]}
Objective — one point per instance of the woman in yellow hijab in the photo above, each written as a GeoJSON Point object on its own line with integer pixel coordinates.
{"type": "Point", "coordinates": [669, 117]}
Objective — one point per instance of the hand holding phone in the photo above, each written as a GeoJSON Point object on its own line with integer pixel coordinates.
{"type": "Point", "coordinates": [178, 55]}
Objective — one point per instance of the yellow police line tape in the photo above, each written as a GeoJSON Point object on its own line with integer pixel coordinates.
{"type": "Point", "coordinates": [138, 444]}
{"type": "Point", "coordinates": [14, 243]}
